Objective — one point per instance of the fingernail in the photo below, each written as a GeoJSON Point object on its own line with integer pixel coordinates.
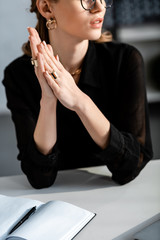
{"type": "Point", "coordinates": [44, 43]}
{"type": "Point", "coordinates": [57, 57]}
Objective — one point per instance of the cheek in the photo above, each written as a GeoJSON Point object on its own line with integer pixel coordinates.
{"type": "Point", "coordinates": [74, 23]}
{"type": "Point", "coordinates": [71, 16]}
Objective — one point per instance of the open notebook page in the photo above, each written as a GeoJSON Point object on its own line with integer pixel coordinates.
{"type": "Point", "coordinates": [54, 220]}
{"type": "Point", "coordinates": [12, 209]}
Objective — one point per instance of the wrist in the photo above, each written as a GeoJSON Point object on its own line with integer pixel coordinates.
{"type": "Point", "coordinates": [48, 103]}
{"type": "Point", "coordinates": [82, 103]}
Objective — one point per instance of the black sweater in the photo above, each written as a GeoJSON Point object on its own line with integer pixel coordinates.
{"type": "Point", "coordinates": [113, 77]}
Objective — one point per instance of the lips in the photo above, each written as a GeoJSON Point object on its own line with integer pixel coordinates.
{"type": "Point", "coordinates": [97, 21]}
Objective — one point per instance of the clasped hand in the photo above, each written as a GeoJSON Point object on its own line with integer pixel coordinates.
{"type": "Point", "coordinates": [63, 87]}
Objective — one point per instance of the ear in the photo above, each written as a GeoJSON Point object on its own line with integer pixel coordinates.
{"type": "Point", "coordinates": [45, 9]}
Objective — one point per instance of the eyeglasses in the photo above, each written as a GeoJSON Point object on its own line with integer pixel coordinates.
{"type": "Point", "coordinates": [90, 4]}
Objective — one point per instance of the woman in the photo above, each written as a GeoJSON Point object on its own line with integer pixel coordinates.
{"type": "Point", "coordinates": [84, 101]}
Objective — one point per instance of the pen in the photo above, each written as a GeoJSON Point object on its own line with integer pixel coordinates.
{"type": "Point", "coordinates": [31, 211]}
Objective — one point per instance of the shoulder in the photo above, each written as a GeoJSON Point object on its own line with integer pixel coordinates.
{"type": "Point", "coordinates": [19, 64]}
{"type": "Point", "coordinates": [120, 55]}
{"type": "Point", "coordinates": [18, 70]}
{"type": "Point", "coordinates": [117, 49]}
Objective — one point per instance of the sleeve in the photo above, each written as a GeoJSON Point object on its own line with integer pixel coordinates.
{"type": "Point", "coordinates": [130, 146]}
{"type": "Point", "coordinates": [41, 170]}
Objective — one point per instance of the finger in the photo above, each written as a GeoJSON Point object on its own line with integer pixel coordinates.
{"type": "Point", "coordinates": [34, 41]}
{"type": "Point", "coordinates": [49, 51]}
{"type": "Point", "coordinates": [43, 66]}
{"type": "Point", "coordinates": [33, 32]}
{"type": "Point", "coordinates": [33, 46]}
{"type": "Point", "coordinates": [49, 66]}
{"type": "Point", "coordinates": [49, 61]}
{"type": "Point", "coordinates": [40, 62]}
{"type": "Point", "coordinates": [48, 48]}
{"type": "Point", "coordinates": [37, 37]}
{"type": "Point", "coordinates": [51, 82]}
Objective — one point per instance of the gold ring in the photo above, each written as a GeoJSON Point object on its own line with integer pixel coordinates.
{"type": "Point", "coordinates": [34, 62]}
{"type": "Point", "coordinates": [54, 74]}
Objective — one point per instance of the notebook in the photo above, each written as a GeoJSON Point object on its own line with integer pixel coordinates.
{"type": "Point", "coordinates": [56, 220]}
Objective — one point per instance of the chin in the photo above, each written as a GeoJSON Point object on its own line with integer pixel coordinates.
{"type": "Point", "coordinates": [95, 36]}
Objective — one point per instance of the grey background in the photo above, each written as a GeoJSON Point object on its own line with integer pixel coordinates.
{"type": "Point", "coordinates": [14, 20]}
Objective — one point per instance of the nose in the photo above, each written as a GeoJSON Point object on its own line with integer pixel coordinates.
{"type": "Point", "coordinates": [98, 7]}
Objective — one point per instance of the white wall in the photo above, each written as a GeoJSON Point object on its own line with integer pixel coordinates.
{"type": "Point", "coordinates": [15, 17]}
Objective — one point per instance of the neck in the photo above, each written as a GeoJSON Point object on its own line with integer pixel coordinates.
{"type": "Point", "coordinates": [71, 51]}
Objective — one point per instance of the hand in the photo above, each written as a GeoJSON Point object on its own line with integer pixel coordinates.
{"type": "Point", "coordinates": [39, 71]}
{"type": "Point", "coordinates": [64, 86]}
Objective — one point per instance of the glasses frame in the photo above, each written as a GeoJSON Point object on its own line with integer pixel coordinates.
{"type": "Point", "coordinates": [89, 9]}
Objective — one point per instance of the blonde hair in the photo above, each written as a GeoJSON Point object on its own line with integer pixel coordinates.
{"type": "Point", "coordinates": [105, 37]}
{"type": "Point", "coordinates": [43, 31]}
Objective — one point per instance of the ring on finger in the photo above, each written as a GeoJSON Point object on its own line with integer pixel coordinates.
{"type": "Point", "coordinates": [34, 62]}
{"type": "Point", "coordinates": [54, 74]}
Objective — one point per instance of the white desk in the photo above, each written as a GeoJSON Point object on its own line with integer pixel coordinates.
{"type": "Point", "coordinates": [118, 208]}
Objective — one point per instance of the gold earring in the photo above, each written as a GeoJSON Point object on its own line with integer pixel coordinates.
{"type": "Point", "coordinates": [51, 24]}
